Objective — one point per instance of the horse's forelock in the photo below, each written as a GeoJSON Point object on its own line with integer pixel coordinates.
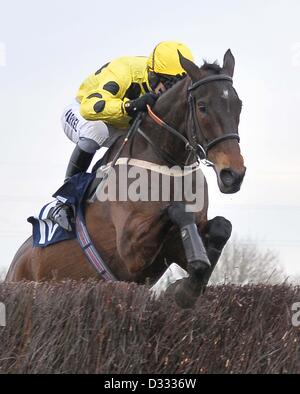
{"type": "Point", "coordinates": [213, 67]}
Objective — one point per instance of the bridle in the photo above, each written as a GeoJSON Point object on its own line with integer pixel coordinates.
{"type": "Point", "coordinates": [204, 148]}
{"type": "Point", "coordinates": [200, 151]}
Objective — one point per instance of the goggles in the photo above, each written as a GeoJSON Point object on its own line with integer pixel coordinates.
{"type": "Point", "coordinates": [167, 80]}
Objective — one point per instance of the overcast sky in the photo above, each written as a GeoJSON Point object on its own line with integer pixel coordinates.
{"type": "Point", "coordinates": [48, 48]}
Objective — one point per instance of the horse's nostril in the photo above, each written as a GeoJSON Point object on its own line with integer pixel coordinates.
{"type": "Point", "coordinates": [228, 177]}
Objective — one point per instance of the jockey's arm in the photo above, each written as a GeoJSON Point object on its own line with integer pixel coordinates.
{"type": "Point", "coordinates": [105, 99]}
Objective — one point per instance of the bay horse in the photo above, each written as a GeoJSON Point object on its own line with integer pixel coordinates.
{"type": "Point", "coordinates": [137, 238]}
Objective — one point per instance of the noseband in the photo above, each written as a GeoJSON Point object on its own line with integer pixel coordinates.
{"type": "Point", "coordinates": [195, 148]}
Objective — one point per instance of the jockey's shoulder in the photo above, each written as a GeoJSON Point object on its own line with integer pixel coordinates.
{"type": "Point", "coordinates": [122, 70]}
{"type": "Point", "coordinates": [128, 62]}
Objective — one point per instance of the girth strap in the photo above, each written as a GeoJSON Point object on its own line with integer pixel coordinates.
{"type": "Point", "coordinates": [90, 251]}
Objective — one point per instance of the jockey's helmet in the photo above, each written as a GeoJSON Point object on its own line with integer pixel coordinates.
{"type": "Point", "coordinates": [164, 64]}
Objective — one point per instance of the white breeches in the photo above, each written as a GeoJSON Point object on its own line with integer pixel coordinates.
{"type": "Point", "coordinates": [77, 128]}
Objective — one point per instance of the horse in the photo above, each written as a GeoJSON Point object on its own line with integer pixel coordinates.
{"type": "Point", "coordinates": [197, 117]}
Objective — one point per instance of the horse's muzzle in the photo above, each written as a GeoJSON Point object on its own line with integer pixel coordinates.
{"type": "Point", "coordinates": [230, 180]}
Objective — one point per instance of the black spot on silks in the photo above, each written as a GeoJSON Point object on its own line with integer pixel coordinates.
{"type": "Point", "coordinates": [112, 87]}
{"type": "Point", "coordinates": [99, 106]}
{"type": "Point", "coordinates": [134, 91]}
{"type": "Point", "coordinates": [98, 95]}
{"type": "Point", "coordinates": [100, 69]}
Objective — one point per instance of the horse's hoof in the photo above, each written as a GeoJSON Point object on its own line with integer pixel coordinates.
{"type": "Point", "coordinates": [218, 232]}
{"type": "Point", "coordinates": [184, 297]}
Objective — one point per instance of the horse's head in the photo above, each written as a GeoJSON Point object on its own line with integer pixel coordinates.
{"type": "Point", "coordinates": [215, 110]}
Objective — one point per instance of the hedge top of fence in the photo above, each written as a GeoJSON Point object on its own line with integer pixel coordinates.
{"type": "Point", "coordinates": [97, 327]}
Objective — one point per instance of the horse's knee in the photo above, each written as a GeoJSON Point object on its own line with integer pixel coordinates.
{"type": "Point", "coordinates": [179, 215]}
{"type": "Point", "coordinates": [217, 232]}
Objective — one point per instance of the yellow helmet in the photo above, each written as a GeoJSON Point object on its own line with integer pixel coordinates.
{"type": "Point", "coordinates": [165, 59]}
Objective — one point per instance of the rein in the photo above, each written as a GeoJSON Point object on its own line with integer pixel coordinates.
{"type": "Point", "coordinates": [196, 149]}
{"type": "Point", "coordinates": [159, 152]}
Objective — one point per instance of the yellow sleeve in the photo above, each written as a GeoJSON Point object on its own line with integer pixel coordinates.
{"type": "Point", "coordinates": [104, 98]}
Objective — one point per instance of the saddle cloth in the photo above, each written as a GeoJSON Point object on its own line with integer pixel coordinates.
{"type": "Point", "coordinates": [72, 193]}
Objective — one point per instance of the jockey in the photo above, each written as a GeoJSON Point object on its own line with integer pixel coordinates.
{"type": "Point", "coordinates": [112, 96]}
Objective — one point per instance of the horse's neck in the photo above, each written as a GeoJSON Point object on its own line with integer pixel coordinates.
{"type": "Point", "coordinates": [172, 108]}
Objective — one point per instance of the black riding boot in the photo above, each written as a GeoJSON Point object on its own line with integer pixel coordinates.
{"type": "Point", "coordinates": [79, 162]}
{"type": "Point", "coordinates": [62, 214]}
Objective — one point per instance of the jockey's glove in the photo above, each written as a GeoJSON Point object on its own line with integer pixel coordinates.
{"type": "Point", "coordinates": [132, 107]}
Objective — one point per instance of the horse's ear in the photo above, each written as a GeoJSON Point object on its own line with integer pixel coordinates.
{"type": "Point", "coordinates": [190, 67]}
{"type": "Point", "coordinates": [228, 63]}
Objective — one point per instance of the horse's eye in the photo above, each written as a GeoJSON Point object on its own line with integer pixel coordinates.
{"type": "Point", "coordinates": [202, 108]}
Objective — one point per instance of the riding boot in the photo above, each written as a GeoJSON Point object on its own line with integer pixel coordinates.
{"type": "Point", "coordinates": [62, 214]}
{"type": "Point", "coordinates": [79, 162]}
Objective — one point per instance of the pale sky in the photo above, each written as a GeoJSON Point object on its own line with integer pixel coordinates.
{"type": "Point", "coordinates": [48, 48]}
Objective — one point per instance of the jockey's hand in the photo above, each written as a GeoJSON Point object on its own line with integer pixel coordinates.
{"type": "Point", "coordinates": [132, 107]}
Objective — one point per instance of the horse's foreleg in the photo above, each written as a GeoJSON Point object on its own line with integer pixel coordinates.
{"type": "Point", "coordinates": [198, 263]}
{"type": "Point", "coordinates": [215, 235]}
